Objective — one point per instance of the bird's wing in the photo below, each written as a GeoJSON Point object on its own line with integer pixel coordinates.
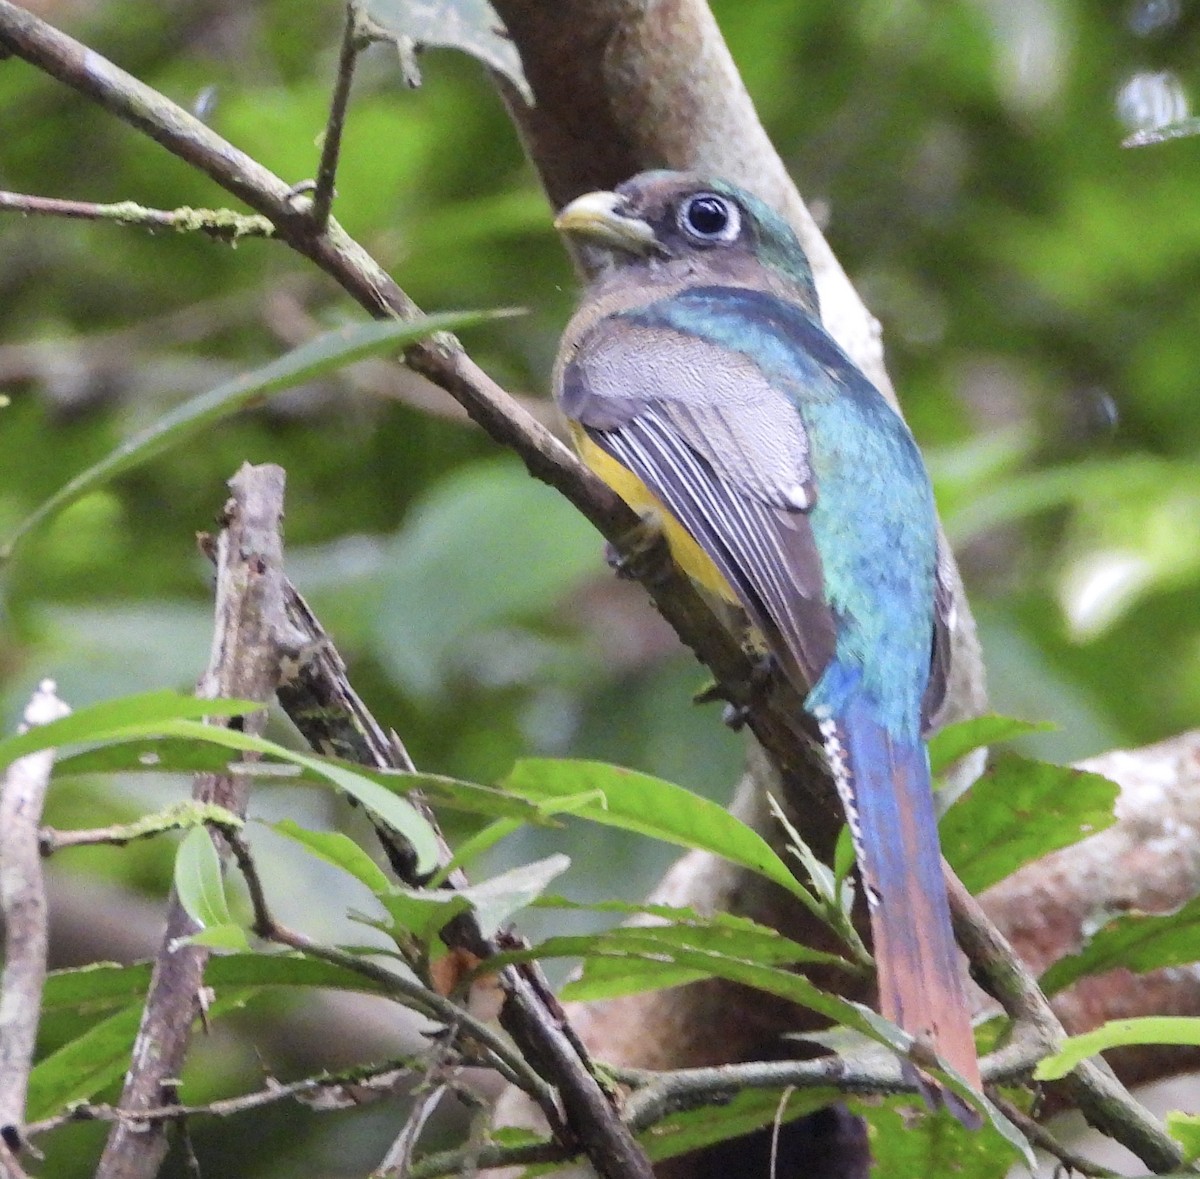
{"type": "Point", "coordinates": [945, 620]}
{"type": "Point", "coordinates": [727, 454]}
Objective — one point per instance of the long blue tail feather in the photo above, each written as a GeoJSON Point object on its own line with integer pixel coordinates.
{"type": "Point", "coordinates": [885, 787]}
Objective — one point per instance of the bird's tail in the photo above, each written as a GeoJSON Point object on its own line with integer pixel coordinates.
{"type": "Point", "coordinates": [885, 788]}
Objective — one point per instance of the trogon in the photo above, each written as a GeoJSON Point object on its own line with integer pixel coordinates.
{"type": "Point", "coordinates": [701, 386]}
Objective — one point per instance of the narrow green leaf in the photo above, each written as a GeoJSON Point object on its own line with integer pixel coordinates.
{"type": "Point", "coordinates": [229, 937]}
{"type": "Point", "coordinates": [1119, 1033]}
{"type": "Point", "coordinates": [84, 1066]}
{"type": "Point", "coordinates": [1019, 811]}
{"type": "Point", "coordinates": [98, 722]}
{"type": "Point", "coordinates": [636, 958]}
{"type": "Point", "coordinates": [198, 880]}
{"type": "Point", "coordinates": [1185, 1129]}
{"type": "Point", "coordinates": [649, 806]}
{"type": "Point", "coordinates": [137, 753]}
{"type": "Point", "coordinates": [395, 811]}
{"type": "Point", "coordinates": [907, 1138]}
{"type": "Point", "coordinates": [1134, 941]}
{"type": "Point", "coordinates": [327, 352]}
{"type": "Point", "coordinates": [81, 1068]}
{"type": "Point", "coordinates": [339, 850]}
{"type": "Point", "coordinates": [422, 913]}
{"type": "Point", "coordinates": [470, 849]}
{"type": "Point", "coordinates": [106, 984]}
{"type": "Point", "coordinates": [957, 740]}
{"type": "Point", "coordinates": [497, 899]}
{"type": "Point", "coordinates": [743, 1113]}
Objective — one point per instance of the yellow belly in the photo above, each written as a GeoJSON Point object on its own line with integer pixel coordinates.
{"type": "Point", "coordinates": [685, 552]}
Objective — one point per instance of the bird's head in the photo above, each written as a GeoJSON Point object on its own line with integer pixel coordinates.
{"type": "Point", "coordinates": [678, 221]}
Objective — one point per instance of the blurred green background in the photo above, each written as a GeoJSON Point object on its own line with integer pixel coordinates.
{"type": "Point", "coordinates": [1038, 287]}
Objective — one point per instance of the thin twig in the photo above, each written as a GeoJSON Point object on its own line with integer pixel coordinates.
{"type": "Point", "coordinates": [23, 905]}
{"type": "Point", "coordinates": [381, 1080]}
{"type": "Point", "coordinates": [182, 816]}
{"type": "Point", "coordinates": [322, 199]}
{"type": "Point", "coordinates": [398, 1160]}
{"type": "Point", "coordinates": [1044, 1140]}
{"type": "Point", "coordinates": [9, 1167]}
{"type": "Point", "coordinates": [221, 224]}
{"type": "Point", "coordinates": [465, 1159]}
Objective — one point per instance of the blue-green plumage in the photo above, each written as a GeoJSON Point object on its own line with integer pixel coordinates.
{"type": "Point", "coordinates": [698, 369]}
{"type": "Point", "coordinates": [874, 520]}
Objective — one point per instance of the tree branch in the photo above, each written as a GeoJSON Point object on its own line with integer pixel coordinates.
{"type": "Point", "coordinates": [221, 224]}
{"type": "Point", "coordinates": [247, 654]}
{"type": "Point", "coordinates": [23, 906]}
{"type": "Point", "coordinates": [331, 144]}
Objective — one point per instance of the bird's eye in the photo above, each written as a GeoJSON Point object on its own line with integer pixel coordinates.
{"type": "Point", "coordinates": [710, 218]}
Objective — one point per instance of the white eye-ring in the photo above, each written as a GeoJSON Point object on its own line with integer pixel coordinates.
{"type": "Point", "coordinates": [708, 217]}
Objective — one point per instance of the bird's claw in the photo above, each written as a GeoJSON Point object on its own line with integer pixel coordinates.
{"type": "Point", "coordinates": [735, 715]}
{"type": "Point", "coordinates": [643, 553]}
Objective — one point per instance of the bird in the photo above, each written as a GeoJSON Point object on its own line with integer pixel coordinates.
{"type": "Point", "coordinates": [699, 383]}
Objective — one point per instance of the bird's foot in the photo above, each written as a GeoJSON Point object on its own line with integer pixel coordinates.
{"type": "Point", "coordinates": [643, 553]}
{"type": "Point", "coordinates": [736, 715]}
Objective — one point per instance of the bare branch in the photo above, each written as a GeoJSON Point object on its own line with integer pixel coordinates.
{"type": "Point", "coordinates": [332, 1090]}
{"type": "Point", "coordinates": [23, 905]}
{"type": "Point", "coordinates": [221, 224]}
{"type": "Point", "coordinates": [352, 44]}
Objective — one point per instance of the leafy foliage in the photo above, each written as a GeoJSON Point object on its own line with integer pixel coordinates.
{"type": "Point", "coordinates": [1038, 300]}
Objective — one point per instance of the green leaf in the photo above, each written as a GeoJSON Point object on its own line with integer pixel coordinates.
{"type": "Point", "coordinates": [497, 899]}
{"type": "Point", "coordinates": [649, 806]}
{"type": "Point", "coordinates": [105, 984]}
{"type": "Point", "coordinates": [227, 938]}
{"type": "Point", "coordinates": [795, 988]}
{"type": "Point", "coordinates": [1134, 941]}
{"type": "Point", "coordinates": [475, 845]}
{"type": "Point", "coordinates": [157, 754]}
{"type": "Point", "coordinates": [907, 1138]}
{"type": "Point", "coordinates": [395, 811]}
{"type": "Point", "coordinates": [957, 740]}
{"type": "Point", "coordinates": [1119, 1033]}
{"type": "Point", "coordinates": [110, 998]}
{"type": "Point", "coordinates": [1019, 811]}
{"type": "Point", "coordinates": [424, 912]}
{"type": "Point", "coordinates": [327, 352]}
{"type": "Point", "coordinates": [198, 880]}
{"type": "Point", "coordinates": [743, 1113]}
{"type": "Point", "coordinates": [636, 958]}
{"type": "Point", "coordinates": [98, 722]}
{"type": "Point", "coordinates": [1185, 1129]}
{"type": "Point", "coordinates": [81, 1068]}
{"type": "Point", "coordinates": [339, 850]}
